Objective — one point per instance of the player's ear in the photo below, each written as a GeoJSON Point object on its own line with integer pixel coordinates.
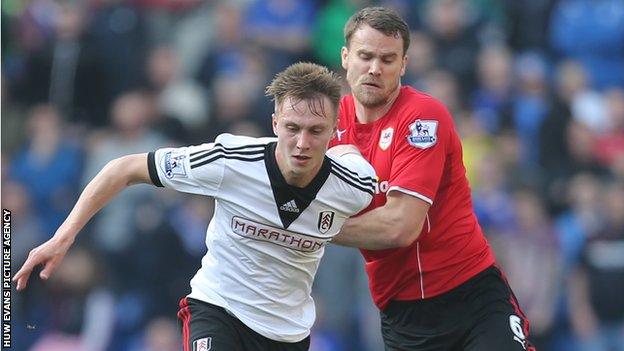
{"type": "Point", "coordinates": [274, 123]}
{"type": "Point", "coordinates": [404, 65]}
{"type": "Point", "coordinates": [344, 52]}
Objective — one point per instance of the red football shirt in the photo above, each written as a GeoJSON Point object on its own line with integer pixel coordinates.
{"type": "Point", "coordinates": [415, 149]}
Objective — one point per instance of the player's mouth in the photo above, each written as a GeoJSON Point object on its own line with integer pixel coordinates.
{"type": "Point", "coordinates": [301, 159]}
{"type": "Point", "coordinates": [371, 85]}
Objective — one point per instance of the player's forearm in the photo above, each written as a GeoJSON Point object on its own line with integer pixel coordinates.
{"type": "Point", "coordinates": [362, 234]}
{"type": "Point", "coordinates": [376, 230]}
{"type": "Point", "coordinates": [398, 223]}
{"type": "Point", "coordinates": [112, 179]}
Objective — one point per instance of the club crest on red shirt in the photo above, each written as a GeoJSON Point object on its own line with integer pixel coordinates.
{"type": "Point", "coordinates": [385, 139]}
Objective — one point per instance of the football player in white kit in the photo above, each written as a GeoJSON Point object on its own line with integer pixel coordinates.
{"type": "Point", "coordinates": [279, 201]}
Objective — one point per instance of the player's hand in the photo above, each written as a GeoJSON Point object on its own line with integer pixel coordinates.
{"type": "Point", "coordinates": [343, 149]}
{"type": "Point", "coordinates": [48, 254]}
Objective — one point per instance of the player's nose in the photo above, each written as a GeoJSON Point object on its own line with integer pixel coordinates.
{"type": "Point", "coordinates": [303, 141]}
{"type": "Point", "coordinates": [374, 68]}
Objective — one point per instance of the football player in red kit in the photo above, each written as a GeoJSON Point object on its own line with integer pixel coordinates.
{"type": "Point", "coordinates": [431, 271]}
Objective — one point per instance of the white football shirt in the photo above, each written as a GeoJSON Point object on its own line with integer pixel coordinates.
{"type": "Point", "coordinates": [266, 238]}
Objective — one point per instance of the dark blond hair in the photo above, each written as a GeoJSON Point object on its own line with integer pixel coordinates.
{"type": "Point", "coordinates": [306, 81]}
{"type": "Point", "coordinates": [382, 19]}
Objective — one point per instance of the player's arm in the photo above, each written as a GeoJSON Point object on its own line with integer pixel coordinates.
{"type": "Point", "coordinates": [112, 179]}
{"type": "Point", "coordinates": [396, 224]}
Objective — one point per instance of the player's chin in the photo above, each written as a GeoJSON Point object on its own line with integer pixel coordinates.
{"type": "Point", "coordinates": [369, 99]}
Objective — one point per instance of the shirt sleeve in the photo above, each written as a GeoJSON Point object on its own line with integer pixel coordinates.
{"type": "Point", "coordinates": [191, 169]}
{"type": "Point", "coordinates": [360, 175]}
{"type": "Point", "coordinates": [421, 152]}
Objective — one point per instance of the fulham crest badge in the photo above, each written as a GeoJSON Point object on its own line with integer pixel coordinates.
{"type": "Point", "coordinates": [423, 133]}
{"type": "Point", "coordinates": [204, 344]}
{"type": "Point", "coordinates": [325, 221]}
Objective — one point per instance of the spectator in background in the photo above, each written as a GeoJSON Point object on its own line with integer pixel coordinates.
{"type": "Point", "coordinates": [282, 28]}
{"type": "Point", "coordinates": [592, 32]}
{"type": "Point", "coordinates": [443, 85]}
{"type": "Point", "coordinates": [226, 53]}
{"type": "Point", "coordinates": [161, 334]}
{"type": "Point", "coordinates": [528, 250]}
{"type": "Point", "coordinates": [583, 216]}
{"type": "Point", "coordinates": [234, 72]}
{"type": "Point", "coordinates": [493, 202]}
{"type": "Point", "coordinates": [554, 155]}
{"type": "Point", "coordinates": [341, 284]}
{"type": "Point", "coordinates": [493, 97]}
{"type": "Point", "coordinates": [235, 100]}
{"type": "Point", "coordinates": [81, 314]}
{"type": "Point", "coordinates": [476, 143]}
{"type": "Point", "coordinates": [130, 132]}
{"type": "Point", "coordinates": [119, 36]}
{"type": "Point", "coordinates": [189, 220]}
{"type": "Point", "coordinates": [581, 145]}
{"type": "Point", "coordinates": [610, 145]}
{"type": "Point", "coordinates": [530, 108]}
{"type": "Point", "coordinates": [67, 70]}
{"type": "Point", "coordinates": [573, 226]}
{"type": "Point", "coordinates": [179, 103]}
{"type": "Point", "coordinates": [422, 59]}
{"type": "Point", "coordinates": [529, 20]}
{"type": "Point", "coordinates": [617, 167]}
{"type": "Point", "coordinates": [48, 167]}
{"type": "Point", "coordinates": [597, 284]}
{"type": "Point", "coordinates": [455, 39]}
{"type": "Point", "coordinates": [148, 285]}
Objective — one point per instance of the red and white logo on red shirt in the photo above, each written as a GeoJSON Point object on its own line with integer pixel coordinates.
{"type": "Point", "coordinates": [385, 139]}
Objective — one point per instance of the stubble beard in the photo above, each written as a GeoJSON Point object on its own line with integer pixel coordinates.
{"type": "Point", "coordinates": [369, 100]}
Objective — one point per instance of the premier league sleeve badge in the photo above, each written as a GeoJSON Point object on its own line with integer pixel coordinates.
{"type": "Point", "coordinates": [172, 164]}
{"type": "Point", "coordinates": [423, 133]}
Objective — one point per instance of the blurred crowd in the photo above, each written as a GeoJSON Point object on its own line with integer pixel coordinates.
{"type": "Point", "coordinates": [536, 88]}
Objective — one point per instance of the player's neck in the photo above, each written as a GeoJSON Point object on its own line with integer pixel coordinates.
{"type": "Point", "coordinates": [371, 114]}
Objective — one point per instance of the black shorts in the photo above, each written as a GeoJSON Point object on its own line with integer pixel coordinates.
{"type": "Point", "coordinates": [482, 314]}
{"type": "Point", "coordinates": [208, 327]}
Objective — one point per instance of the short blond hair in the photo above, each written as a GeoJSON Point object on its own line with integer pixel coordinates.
{"type": "Point", "coordinates": [306, 81]}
